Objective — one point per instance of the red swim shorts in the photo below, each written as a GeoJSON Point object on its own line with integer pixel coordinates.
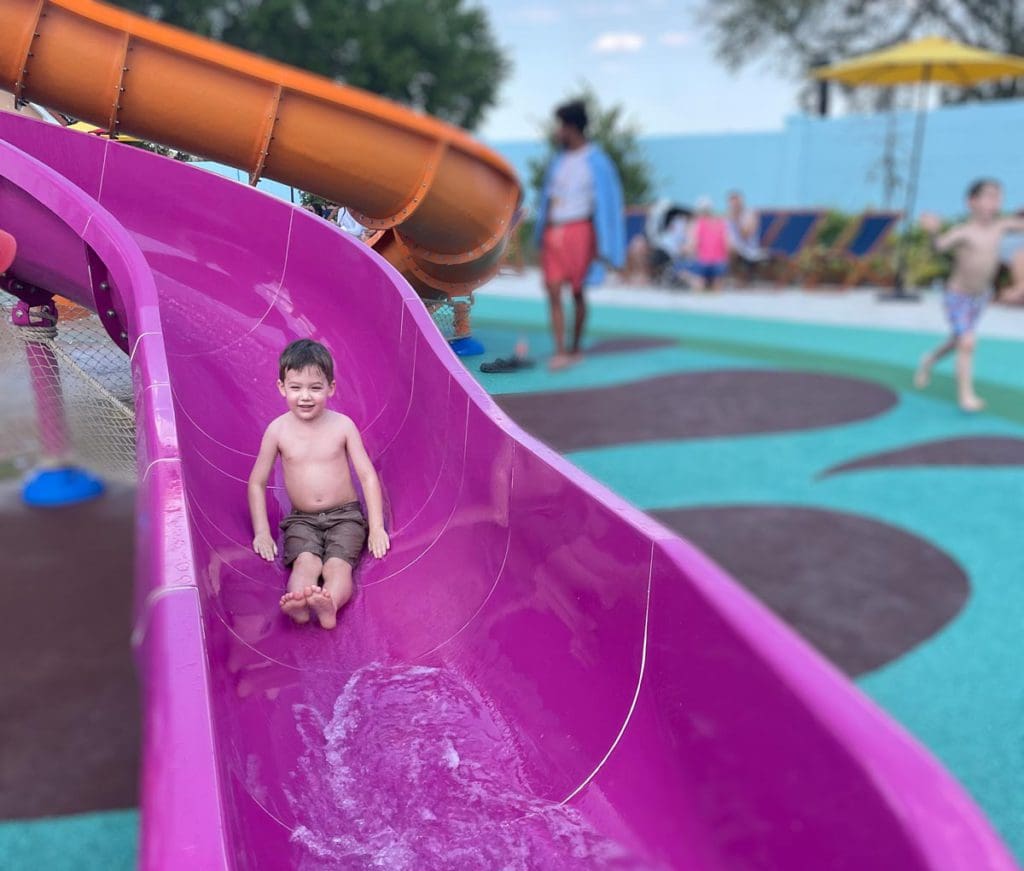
{"type": "Point", "coordinates": [567, 251]}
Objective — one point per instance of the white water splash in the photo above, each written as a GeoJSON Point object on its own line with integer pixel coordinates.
{"type": "Point", "coordinates": [414, 772]}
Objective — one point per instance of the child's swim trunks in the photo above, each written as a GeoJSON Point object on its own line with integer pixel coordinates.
{"type": "Point", "coordinates": [963, 310]}
{"type": "Point", "coordinates": [336, 532]}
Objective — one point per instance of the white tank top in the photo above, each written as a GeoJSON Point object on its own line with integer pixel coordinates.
{"type": "Point", "coordinates": [572, 188]}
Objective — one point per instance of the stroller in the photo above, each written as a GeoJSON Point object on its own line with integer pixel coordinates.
{"type": "Point", "coordinates": [667, 228]}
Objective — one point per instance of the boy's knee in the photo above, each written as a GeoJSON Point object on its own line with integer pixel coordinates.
{"type": "Point", "coordinates": [336, 566]}
{"type": "Point", "coordinates": [966, 342]}
{"type": "Point", "coordinates": [307, 562]}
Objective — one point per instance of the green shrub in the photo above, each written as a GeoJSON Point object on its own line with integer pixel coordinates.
{"type": "Point", "coordinates": [924, 265]}
{"type": "Point", "coordinates": [832, 227]}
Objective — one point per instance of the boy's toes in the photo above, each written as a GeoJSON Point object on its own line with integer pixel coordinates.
{"type": "Point", "coordinates": [294, 606]}
{"type": "Point", "coordinates": [323, 607]}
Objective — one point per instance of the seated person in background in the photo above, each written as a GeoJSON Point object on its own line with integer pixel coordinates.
{"type": "Point", "coordinates": [742, 223]}
{"type": "Point", "coordinates": [638, 259]}
{"type": "Point", "coordinates": [343, 218]}
{"type": "Point", "coordinates": [708, 247]}
{"type": "Point", "coordinates": [318, 209]}
{"type": "Point", "coordinates": [339, 215]}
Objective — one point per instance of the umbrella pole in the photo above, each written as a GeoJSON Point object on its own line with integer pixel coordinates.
{"type": "Point", "coordinates": [899, 291]}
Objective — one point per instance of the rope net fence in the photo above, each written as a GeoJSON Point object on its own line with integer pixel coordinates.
{"type": "Point", "coordinates": [67, 396]}
{"type": "Point", "coordinates": [451, 314]}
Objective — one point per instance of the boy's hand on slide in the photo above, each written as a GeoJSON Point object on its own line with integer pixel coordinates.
{"type": "Point", "coordinates": [930, 222]}
{"type": "Point", "coordinates": [264, 545]}
{"type": "Point", "coordinates": [379, 542]}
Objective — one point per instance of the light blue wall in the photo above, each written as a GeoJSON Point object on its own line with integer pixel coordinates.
{"type": "Point", "coordinates": [837, 162]}
{"type": "Point", "coordinates": [686, 167]}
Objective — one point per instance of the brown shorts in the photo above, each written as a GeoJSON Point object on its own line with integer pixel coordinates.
{"type": "Point", "coordinates": [337, 532]}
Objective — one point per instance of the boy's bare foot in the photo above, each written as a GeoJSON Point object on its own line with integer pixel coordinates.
{"type": "Point", "coordinates": [972, 403]}
{"type": "Point", "coordinates": [923, 375]}
{"type": "Point", "coordinates": [294, 606]}
{"type": "Point", "coordinates": [322, 606]}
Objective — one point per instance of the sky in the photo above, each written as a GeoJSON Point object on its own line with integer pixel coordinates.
{"type": "Point", "coordinates": [651, 55]}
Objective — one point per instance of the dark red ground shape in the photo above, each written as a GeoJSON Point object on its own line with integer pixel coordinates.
{"type": "Point", "coordinates": [968, 451]}
{"type": "Point", "coordinates": [861, 591]}
{"type": "Point", "coordinates": [695, 405]}
{"type": "Point", "coordinates": [69, 720]}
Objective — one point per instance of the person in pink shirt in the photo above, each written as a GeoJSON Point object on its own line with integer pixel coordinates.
{"type": "Point", "coordinates": [708, 247]}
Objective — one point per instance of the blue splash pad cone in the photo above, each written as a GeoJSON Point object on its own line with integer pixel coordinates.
{"type": "Point", "coordinates": [51, 488]}
{"type": "Point", "coordinates": [467, 346]}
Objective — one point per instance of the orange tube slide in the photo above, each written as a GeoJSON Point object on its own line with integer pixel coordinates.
{"type": "Point", "coordinates": [445, 202]}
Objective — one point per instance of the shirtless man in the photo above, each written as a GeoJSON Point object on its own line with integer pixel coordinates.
{"type": "Point", "coordinates": [975, 247]}
{"type": "Point", "coordinates": [324, 534]}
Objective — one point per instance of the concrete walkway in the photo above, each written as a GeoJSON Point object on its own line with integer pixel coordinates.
{"type": "Point", "coordinates": [856, 308]}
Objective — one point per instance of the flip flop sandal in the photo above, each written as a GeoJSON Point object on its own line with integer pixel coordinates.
{"type": "Point", "coordinates": [507, 364]}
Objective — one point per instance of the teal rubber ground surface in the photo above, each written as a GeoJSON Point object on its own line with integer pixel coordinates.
{"type": "Point", "coordinates": [86, 842]}
{"type": "Point", "coordinates": [959, 691]}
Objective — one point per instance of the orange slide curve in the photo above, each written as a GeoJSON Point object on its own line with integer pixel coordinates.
{"type": "Point", "coordinates": [444, 202]}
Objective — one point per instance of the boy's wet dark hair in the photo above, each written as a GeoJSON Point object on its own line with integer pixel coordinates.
{"type": "Point", "coordinates": [573, 114]}
{"type": "Point", "coordinates": [979, 185]}
{"type": "Point", "coordinates": [303, 354]}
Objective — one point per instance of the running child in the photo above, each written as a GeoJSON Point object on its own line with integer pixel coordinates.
{"type": "Point", "coordinates": [326, 530]}
{"type": "Point", "coordinates": [975, 246]}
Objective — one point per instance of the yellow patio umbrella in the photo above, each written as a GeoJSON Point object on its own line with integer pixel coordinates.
{"type": "Point", "coordinates": [931, 59]}
{"type": "Point", "coordinates": [922, 61]}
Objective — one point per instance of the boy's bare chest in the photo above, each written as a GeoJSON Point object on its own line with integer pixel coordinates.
{"type": "Point", "coordinates": [312, 449]}
{"type": "Point", "coordinates": [983, 242]}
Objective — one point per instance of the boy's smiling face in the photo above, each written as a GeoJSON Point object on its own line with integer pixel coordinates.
{"type": "Point", "coordinates": [306, 391]}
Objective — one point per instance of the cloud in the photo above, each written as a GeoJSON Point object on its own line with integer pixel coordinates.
{"type": "Point", "coordinates": [537, 14]}
{"type": "Point", "coordinates": [600, 10]}
{"type": "Point", "coordinates": [617, 43]}
{"type": "Point", "coordinates": [676, 38]}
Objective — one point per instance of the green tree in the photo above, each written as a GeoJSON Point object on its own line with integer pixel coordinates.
{"type": "Point", "coordinates": [610, 129]}
{"type": "Point", "coordinates": [800, 34]}
{"type": "Point", "coordinates": [439, 56]}
{"type": "Point", "coordinates": [163, 150]}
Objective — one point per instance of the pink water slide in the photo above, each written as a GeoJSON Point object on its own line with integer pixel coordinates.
{"type": "Point", "coordinates": [537, 676]}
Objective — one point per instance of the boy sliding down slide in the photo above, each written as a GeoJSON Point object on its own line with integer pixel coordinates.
{"type": "Point", "coordinates": [975, 247]}
{"type": "Point", "coordinates": [324, 534]}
